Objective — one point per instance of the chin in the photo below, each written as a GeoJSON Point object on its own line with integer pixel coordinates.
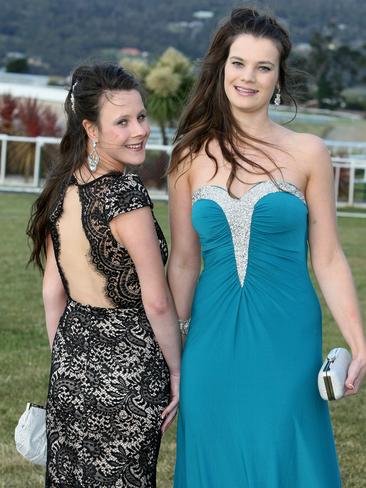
{"type": "Point", "coordinates": [135, 162]}
{"type": "Point", "coordinates": [247, 105]}
{"type": "Point", "coordinates": [133, 159]}
{"type": "Point", "coordinates": [244, 108]}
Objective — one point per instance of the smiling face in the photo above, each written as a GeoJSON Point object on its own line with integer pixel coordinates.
{"type": "Point", "coordinates": [251, 73]}
{"type": "Point", "coordinates": [123, 128]}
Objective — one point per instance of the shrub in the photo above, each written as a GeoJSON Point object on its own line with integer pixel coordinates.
{"type": "Point", "coordinates": [26, 117]}
{"type": "Point", "coordinates": [355, 97]}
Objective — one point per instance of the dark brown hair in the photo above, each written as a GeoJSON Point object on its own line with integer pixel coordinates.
{"type": "Point", "coordinates": [208, 114]}
{"type": "Point", "coordinates": [88, 85]}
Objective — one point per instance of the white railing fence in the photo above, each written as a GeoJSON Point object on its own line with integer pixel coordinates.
{"type": "Point", "coordinates": [12, 180]}
{"type": "Point", "coordinates": [349, 162]}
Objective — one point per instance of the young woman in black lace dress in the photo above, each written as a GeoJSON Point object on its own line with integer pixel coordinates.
{"type": "Point", "coordinates": [111, 324]}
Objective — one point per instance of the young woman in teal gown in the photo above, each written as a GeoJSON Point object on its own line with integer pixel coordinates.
{"type": "Point", "coordinates": [250, 197]}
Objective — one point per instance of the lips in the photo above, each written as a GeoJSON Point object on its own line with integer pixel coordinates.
{"type": "Point", "coordinates": [135, 147]}
{"type": "Point", "coordinates": [245, 91]}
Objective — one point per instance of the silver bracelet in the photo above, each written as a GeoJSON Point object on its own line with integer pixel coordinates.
{"type": "Point", "coordinates": [184, 326]}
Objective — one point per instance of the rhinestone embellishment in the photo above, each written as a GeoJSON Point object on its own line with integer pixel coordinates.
{"type": "Point", "coordinates": [239, 213]}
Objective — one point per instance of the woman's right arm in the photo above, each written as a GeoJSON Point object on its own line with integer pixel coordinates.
{"type": "Point", "coordinates": [54, 296]}
{"type": "Point", "coordinates": [185, 258]}
{"type": "Point", "coordinates": [135, 230]}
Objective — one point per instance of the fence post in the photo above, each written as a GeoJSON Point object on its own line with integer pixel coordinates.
{"type": "Point", "coordinates": [336, 183]}
{"type": "Point", "coordinates": [351, 187]}
{"type": "Point", "coordinates": [4, 144]}
{"type": "Point", "coordinates": [37, 162]}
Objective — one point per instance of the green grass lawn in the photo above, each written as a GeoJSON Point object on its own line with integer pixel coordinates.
{"type": "Point", "coordinates": [24, 352]}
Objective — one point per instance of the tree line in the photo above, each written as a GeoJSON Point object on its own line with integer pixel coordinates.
{"type": "Point", "coordinates": [60, 35]}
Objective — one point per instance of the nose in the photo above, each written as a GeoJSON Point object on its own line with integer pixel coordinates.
{"type": "Point", "coordinates": [139, 129]}
{"type": "Point", "coordinates": [248, 74]}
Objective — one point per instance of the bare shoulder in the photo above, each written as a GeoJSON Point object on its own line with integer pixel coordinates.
{"type": "Point", "coordinates": [307, 148]}
{"type": "Point", "coordinates": [209, 150]}
{"type": "Point", "coordinates": [319, 168]}
{"type": "Point", "coordinates": [180, 166]}
{"type": "Point", "coordinates": [196, 164]}
{"type": "Point", "coordinates": [311, 143]}
{"type": "Point", "coordinates": [189, 165]}
{"type": "Point", "coordinates": [315, 154]}
{"type": "Point", "coordinates": [307, 143]}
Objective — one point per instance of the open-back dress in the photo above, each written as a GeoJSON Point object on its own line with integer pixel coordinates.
{"type": "Point", "coordinates": [109, 381]}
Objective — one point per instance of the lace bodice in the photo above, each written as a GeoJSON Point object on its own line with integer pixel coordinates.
{"type": "Point", "coordinates": [95, 269]}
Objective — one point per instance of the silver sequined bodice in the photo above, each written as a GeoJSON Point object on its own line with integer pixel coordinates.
{"type": "Point", "coordinates": [239, 212]}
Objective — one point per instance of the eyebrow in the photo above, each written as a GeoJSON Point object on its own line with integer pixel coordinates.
{"type": "Point", "coordinates": [259, 62]}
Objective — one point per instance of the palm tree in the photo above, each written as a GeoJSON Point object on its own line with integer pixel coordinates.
{"type": "Point", "coordinates": [168, 83]}
{"type": "Point", "coordinates": [164, 102]}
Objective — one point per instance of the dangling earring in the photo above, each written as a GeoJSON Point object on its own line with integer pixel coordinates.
{"type": "Point", "coordinates": [93, 158]}
{"type": "Point", "coordinates": [277, 100]}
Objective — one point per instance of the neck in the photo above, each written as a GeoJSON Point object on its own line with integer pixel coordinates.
{"type": "Point", "coordinates": [85, 175]}
{"type": "Point", "coordinates": [256, 124]}
{"type": "Point", "coordinates": [108, 166]}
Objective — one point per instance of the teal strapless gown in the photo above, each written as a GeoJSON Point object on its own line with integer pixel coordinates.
{"type": "Point", "coordinates": [250, 412]}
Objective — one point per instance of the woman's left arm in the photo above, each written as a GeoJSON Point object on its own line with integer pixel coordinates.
{"type": "Point", "coordinates": [54, 296]}
{"type": "Point", "coordinates": [329, 262]}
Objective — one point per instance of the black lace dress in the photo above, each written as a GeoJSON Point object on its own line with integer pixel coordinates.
{"type": "Point", "coordinates": [109, 381]}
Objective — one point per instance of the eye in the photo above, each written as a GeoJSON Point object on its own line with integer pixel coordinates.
{"type": "Point", "coordinates": [142, 117]}
{"type": "Point", "coordinates": [264, 68]}
{"type": "Point", "coordinates": [237, 64]}
{"type": "Point", "coordinates": [122, 122]}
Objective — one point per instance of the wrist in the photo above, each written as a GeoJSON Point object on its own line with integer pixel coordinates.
{"type": "Point", "coordinates": [359, 350]}
{"type": "Point", "coordinates": [184, 326]}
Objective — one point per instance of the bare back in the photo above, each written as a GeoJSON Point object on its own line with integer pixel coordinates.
{"type": "Point", "coordinates": [95, 269]}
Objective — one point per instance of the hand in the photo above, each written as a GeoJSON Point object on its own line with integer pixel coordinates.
{"type": "Point", "coordinates": [356, 373]}
{"type": "Point", "coordinates": [171, 410]}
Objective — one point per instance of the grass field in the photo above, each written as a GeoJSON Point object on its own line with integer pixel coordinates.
{"type": "Point", "coordinates": [24, 352]}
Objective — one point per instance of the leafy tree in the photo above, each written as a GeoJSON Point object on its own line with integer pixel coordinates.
{"type": "Point", "coordinates": [18, 65]}
{"type": "Point", "coordinates": [89, 29]}
{"type": "Point", "coordinates": [355, 97]}
{"type": "Point", "coordinates": [335, 67]}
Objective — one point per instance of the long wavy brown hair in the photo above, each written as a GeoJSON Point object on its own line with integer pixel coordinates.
{"type": "Point", "coordinates": [208, 114]}
{"type": "Point", "coordinates": [88, 84]}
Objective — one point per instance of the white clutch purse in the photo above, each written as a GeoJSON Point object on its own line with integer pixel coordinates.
{"type": "Point", "coordinates": [333, 374]}
{"type": "Point", "coordinates": [30, 434]}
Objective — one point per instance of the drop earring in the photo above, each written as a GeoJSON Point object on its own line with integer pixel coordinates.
{"type": "Point", "coordinates": [93, 158]}
{"type": "Point", "coordinates": [277, 100]}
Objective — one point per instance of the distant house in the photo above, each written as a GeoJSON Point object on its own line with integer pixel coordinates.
{"type": "Point", "coordinates": [183, 25]}
{"type": "Point", "coordinates": [203, 14]}
{"type": "Point", "coordinates": [15, 55]}
{"type": "Point", "coordinates": [130, 52]}
{"type": "Point", "coordinates": [302, 48]}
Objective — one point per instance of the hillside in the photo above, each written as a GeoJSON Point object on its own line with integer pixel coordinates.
{"type": "Point", "coordinates": [65, 32]}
